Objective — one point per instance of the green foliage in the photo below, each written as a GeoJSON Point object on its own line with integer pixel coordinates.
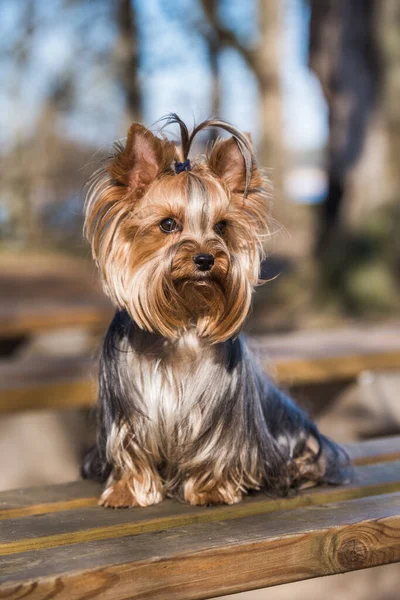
{"type": "Point", "coordinates": [361, 269]}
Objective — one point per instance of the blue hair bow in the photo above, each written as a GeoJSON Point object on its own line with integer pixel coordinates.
{"type": "Point", "coordinates": [182, 166]}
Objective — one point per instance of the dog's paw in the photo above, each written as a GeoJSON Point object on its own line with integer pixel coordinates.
{"type": "Point", "coordinates": [127, 493]}
{"type": "Point", "coordinates": [220, 494]}
{"type": "Point", "coordinates": [118, 495]}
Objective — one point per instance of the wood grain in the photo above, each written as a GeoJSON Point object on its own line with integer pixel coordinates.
{"type": "Point", "coordinates": [205, 561]}
{"type": "Point", "coordinates": [29, 496]}
{"type": "Point", "coordinates": [72, 550]}
{"type": "Point", "coordinates": [52, 498]}
{"type": "Point", "coordinates": [80, 525]}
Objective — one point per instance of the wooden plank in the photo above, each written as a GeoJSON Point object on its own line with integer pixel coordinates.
{"type": "Point", "coordinates": [374, 451]}
{"type": "Point", "coordinates": [58, 391]}
{"type": "Point", "coordinates": [204, 561]}
{"type": "Point", "coordinates": [348, 340]}
{"type": "Point", "coordinates": [80, 494]}
{"type": "Point", "coordinates": [62, 394]}
{"type": "Point", "coordinates": [41, 316]}
{"type": "Point", "coordinates": [339, 368]}
{"type": "Point", "coordinates": [80, 525]}
{"type": "Point", "coordinates": [52, 498]}
{"type": "Point", "coordinates": [317, 356]}
{"type": "Point", "coordinates": [61, 382]}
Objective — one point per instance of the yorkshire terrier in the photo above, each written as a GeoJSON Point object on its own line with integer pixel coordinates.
{"type": "Point", "coordinates": [184, 410]}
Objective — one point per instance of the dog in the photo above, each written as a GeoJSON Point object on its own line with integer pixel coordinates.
{"type": "Point", "coordinates": [184, 410]}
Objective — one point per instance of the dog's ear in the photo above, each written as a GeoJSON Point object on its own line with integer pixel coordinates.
{"type": "Point", "coordinates": [143, 158]}
{"type": "Point", "coordinates": [227, 162]}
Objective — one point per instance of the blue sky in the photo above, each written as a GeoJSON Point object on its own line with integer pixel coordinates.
{"type": "Point", "coordinates": [305, 110]}
{"type": "Point", "coordinates": [174, 72]}
{"type": "Point", "coordinates": [185, 82]}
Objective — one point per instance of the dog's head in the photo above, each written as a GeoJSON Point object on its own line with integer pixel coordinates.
{"type": "Point", "coordinates": [179, 245]}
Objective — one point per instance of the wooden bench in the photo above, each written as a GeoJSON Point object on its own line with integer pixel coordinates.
{"type": "Point", "coordinates": [323, 356]}
{"type": "Point", "coordinates": [294, 359]}
{"type": "Point", "coordinates": [56, 543]}
{"type": "Point", "coordinates": [22, 322]}
{"type": "Point", "coordinates": [29, 319]}
{"type": "Point", "coordinates": [41, 292]}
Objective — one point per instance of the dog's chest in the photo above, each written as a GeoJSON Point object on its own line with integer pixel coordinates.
{"type": "Point", "coordinates": [178, 386]}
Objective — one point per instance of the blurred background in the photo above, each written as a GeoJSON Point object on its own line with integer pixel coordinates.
{"type": "Point", "coordinates": [316, 83]}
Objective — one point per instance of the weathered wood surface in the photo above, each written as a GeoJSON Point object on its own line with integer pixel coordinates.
{"type": "Point", "coordinates": [88, 524]}
{"type": "Point", "coordinates": [293, 359]}
{"type": "Point", "coordinates": [74, 549]}
{"type": "Point", "coordinates": [378, 450]}
{"type": "Point", "coordinates": [203, 562]}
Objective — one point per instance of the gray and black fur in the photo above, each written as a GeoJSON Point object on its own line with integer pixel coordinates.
{"type": "Point", "coordinates": [263, 434]}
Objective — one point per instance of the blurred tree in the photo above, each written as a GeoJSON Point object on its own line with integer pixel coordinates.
{"type": "Point", "coordinates": [345, 56]}
{"type": "Point", "coordinates": [388, 33]}
{"type": "Point", "coordinates": [266, 69]}
{"type": "Point", "coordinates": [389, 40]}
{"type": "Point", "coordinates": [213, 40]}
{"type": "Point", "coordinates": [41, 163]}
{"type": "Point", "coordinates": [263, 62]}
{"type": "Point", "coordinates": [16, 186]}
{"type": "Point", "coordinates": [119, 62]}
{"type": "Point", "coordinates": [126, 58]}
{"type": "Point", "coordinates": [355, 52]}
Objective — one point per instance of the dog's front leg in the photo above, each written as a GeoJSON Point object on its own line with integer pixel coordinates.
{"type": "Point", "coordinates": [134, 480]}
{"type": "Point", "coordinates": [132, 489]}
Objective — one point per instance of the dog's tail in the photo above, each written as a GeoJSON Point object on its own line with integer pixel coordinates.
{"type": "Point", "coordinates": [319, 460]}
{"type": "Point", "coordinates": [311, 457]}
{"type": "Point", "coordinates": [334, 460]}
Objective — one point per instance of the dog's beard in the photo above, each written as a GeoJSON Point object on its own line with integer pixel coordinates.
{"type": "Point", "coordinates": [165, 300]}
{"type": "Point", "coordinates": [203, 301]}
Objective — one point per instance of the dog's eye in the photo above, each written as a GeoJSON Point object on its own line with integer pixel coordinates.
{"type": "Point", "coordinates": [169, 225]}
{"type": "Point", "coordinates": [220, 227]}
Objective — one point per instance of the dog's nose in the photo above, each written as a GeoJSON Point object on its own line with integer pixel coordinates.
{"type": "Point", "coordinates": [204, 262]}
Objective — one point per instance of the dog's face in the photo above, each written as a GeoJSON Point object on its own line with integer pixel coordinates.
{"type": "Point", "coordinates": [178, 250]}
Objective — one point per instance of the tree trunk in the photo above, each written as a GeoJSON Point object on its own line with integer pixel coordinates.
{"type": "Point", "coordinates": [389, 40]}
{"type": "Point", "coordinates": [210, 8]}
{"type": "Point", "coordinates": [345, 56]}
{"type": "Point", "coordinates": [267, 72]}
{"type": "Point", "coordinates": [126, 60]}
{"type": "Point", "coordinates": [263, 61]}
